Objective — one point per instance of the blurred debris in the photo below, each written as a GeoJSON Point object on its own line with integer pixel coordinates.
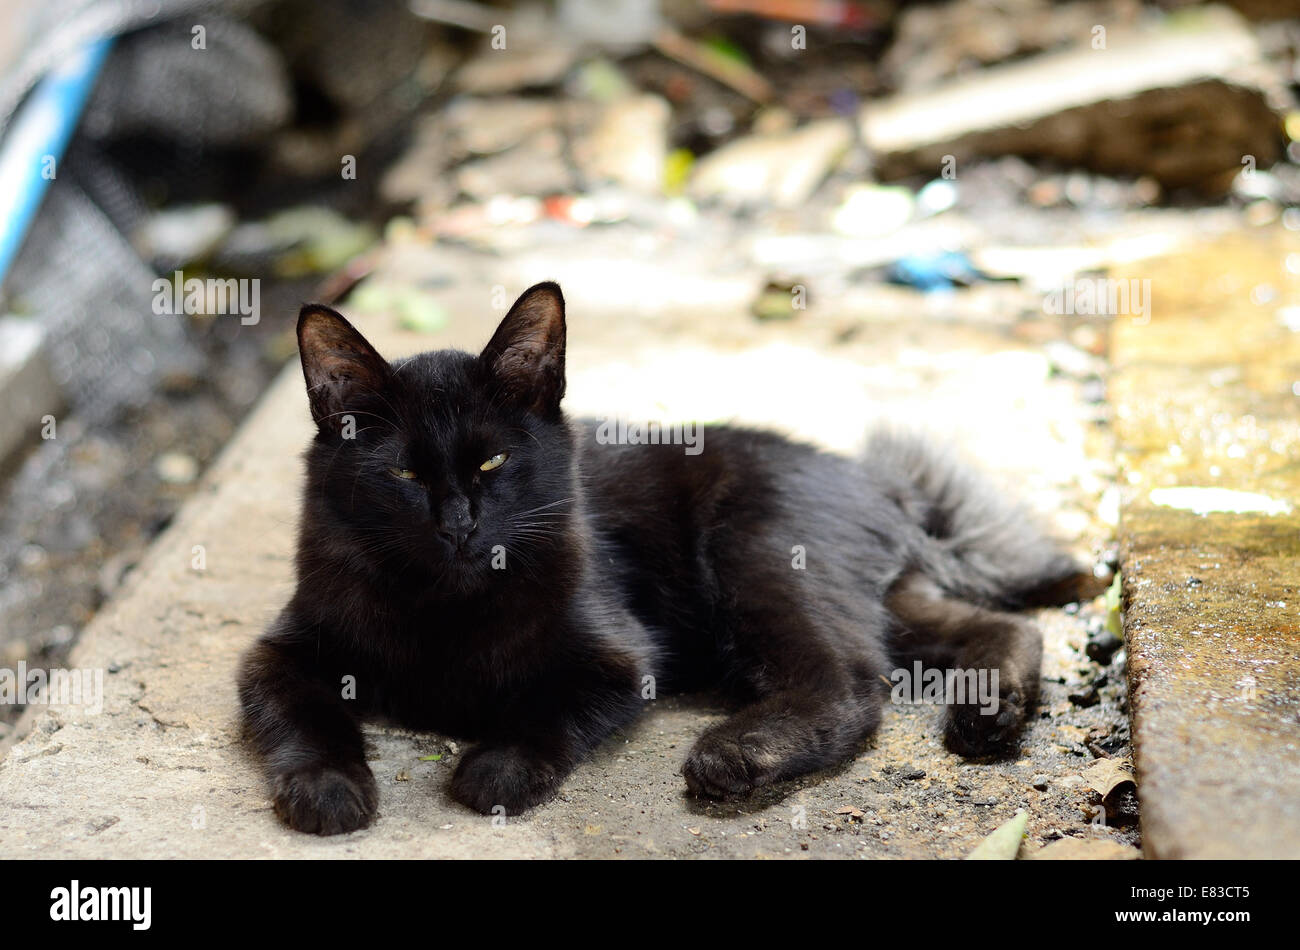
{"type": "Point", "coordinates": [537, 167]}
{"type": "Point", "coordinates": [495, 71]}
{"type": "Point", "coordinates": [234, 91]}
{"type": "Point", "coordinates": [715, 61]}
{"type": "Point", "coordinates": [462, 13]}
{"type": "Point", "coordinates": [873, 210]}
{"type": "Point", "coordinates": [781, 301]}
{"type": "Point", "coordinates": [176, 468]}
{"type": "Point", "coordinates": [941, 41]}
{"type": "Point", "coordinates": [76, 262]}
{"type": "Point", "coordinates": [1181, 101]}
{"type": "Point", "coordinates": [619, 26]}
{"type": "Point", "coordinates": [27, 388]}
{"type": "Point", "coordinates": [943, 270]}
{"type": "Point", "coordinates": [468, 127]}
{"type": "Point", "coordinates": [370, 63]}
{"type": "Point", "coordinates": [416, 309]}
{"type": "Point", "coordinates": [780, 169]}
{"type": "Point", "coordinates": [179, 235]}
{"type": "Point", "coordinates": [296, 242]}
{"type": "Point", "coordinates": [525, 49]}
{"type": "Point", "coordinates": [846, 14]}
{"type": "Point", "coordinates": [628, 146]}
{"type": "Point", "coordinates": [937, 197]}
{"type": "Point", "coordinates": [488, 126]}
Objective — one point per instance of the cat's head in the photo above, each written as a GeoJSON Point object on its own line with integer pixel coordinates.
{"type": "Point", "coordinates": [449, 469]}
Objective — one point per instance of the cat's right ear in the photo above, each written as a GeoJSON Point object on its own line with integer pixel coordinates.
{"type": "Point", "coordinates": [338, 363]}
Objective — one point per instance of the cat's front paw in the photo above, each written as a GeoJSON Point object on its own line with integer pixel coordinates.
{"type": "Point", "coordinates": [975, 730]}
{"type": "Point", "coordinates": [723, 764]}
{"type": "Point", "coordinates": [325, 800]}
{"type": "Point", "coordinates": [490, 778]}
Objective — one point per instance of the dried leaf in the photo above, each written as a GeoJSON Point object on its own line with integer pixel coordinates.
{"type": "Point", "coordinates": [1106, 775]}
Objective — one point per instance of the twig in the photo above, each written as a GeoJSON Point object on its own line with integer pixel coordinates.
{"type": "Point", "coordinates": [713, 64]}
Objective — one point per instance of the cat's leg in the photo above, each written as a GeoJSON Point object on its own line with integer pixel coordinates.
{"type": "Point", "coordinates": [941, 629]}
{"type": "Point", "coordinates": [309, 740]}
{"type": "Point", "coordinates": [1071, 587]}
{"type": "Point", "coordinates": [549, 728]}
{"type": "Point", "coordinates": [818, 698]}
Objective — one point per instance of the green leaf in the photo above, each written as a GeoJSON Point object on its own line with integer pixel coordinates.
{"type": "Point", "coordinates": [1114, 598]}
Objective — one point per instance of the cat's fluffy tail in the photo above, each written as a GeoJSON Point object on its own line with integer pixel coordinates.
{"type": "Point", "coordinates": [974, 541]}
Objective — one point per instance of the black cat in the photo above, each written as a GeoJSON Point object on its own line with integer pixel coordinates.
{"type": "Point", "coordinates": [472, 562]}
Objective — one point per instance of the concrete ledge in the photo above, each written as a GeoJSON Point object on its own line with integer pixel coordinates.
{"type": "Point", "coordinates": [1208, 427]}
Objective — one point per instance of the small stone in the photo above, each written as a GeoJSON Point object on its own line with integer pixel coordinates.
{"type": "Point", "coordinates": [914, 774]}
{"type": "Point", "coordinates": [1039, 782]}
{"type": "Point", "coordinates": [1086, 697]}
{"type": "Point", "coordinates": [1102, 646]}
{"type": "Point", "coordinates": [176, 468]}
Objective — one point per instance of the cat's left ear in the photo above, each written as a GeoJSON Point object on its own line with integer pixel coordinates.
{"type": "Point", "coordinates": [526, 354]}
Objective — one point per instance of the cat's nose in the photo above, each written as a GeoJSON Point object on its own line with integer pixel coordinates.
{"type": "Point", "coordinates": [456, 523]}
{"type": "Point", "coordinates": [457, 534]}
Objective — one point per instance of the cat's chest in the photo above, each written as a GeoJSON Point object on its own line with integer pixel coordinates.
{"type": "Point", "coordinates": [462, 679]}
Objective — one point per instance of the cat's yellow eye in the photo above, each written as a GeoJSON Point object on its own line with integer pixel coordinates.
{"type": "Point", "coordinates": [402, 473]}
{"type": "Point", "coordinates": [495, 461]}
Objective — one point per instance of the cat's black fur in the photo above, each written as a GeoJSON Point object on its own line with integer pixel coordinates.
{"type": "Point", "coordinates": [621, 562]}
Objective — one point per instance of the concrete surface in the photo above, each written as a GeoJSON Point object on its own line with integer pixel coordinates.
{"type": "Point", "coordinates": [1205, 398]}
{"type": "Point", "coordinates": [160, 771]}
{"type": "Point", "coordinates": [27, 388]}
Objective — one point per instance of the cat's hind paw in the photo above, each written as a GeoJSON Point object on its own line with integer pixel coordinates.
{"type": "Point", "coordinates": [973, 731]}
{"type": "Point", "coordinates": [325, 800]}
